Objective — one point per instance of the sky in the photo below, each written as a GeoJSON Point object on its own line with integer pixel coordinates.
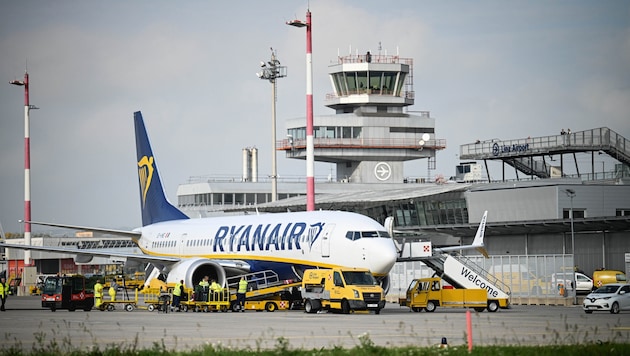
{"type": "Point", "coordinates": [484, 69]}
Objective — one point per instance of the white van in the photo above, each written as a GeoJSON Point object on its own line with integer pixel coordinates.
{"type": "Point", "coordinates": [572, 280]}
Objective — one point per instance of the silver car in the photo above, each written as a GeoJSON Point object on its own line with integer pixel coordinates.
{"type": "Point", "coordinates": [611, 297]}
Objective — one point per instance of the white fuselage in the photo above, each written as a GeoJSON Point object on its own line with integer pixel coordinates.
{"type": "Point", "coordinates": [313, 239]}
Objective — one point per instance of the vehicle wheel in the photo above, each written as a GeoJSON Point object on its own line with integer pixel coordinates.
{"type": "Point", "coordinates": [308, 306]}
{"type": "Point", "coordinates": [480, 310]}
{"type": "Point", "coordinates": [72, 307]}
{"type": "Point", "coordinates": [345, 307]}
{"type": "Point", "coordinates": [493, 306]}
{"type": "Point", "coordinates": [430, 306]}
{"type": "Point", "coordinates": [205, 309]}
{"type": "Point", "coordinates": [614, 309]}
{"type": "Point", "coordinates": [312, 305]}
{"type": "Point", "coordinates": [377, 311]}
{"type": "Point", "coordinates": [223, 308]}
{"type": "Point", "coordinates": [151, 307]}
{"type": "Point", "coordinates": [185, 308]}
{"type": "Point", "coordinates": [88, 308]}
{"type": "Point", "coordinates": [129, 307]}
{"type": "Point", "coordinates": [588, 311]}
{"type": "Point", "coordinates": [235, 307]}
{"type": "Point", "coordinates": [110, 307]}
{"type": "Point", "coordinates": [53, 309]}
{"type": "Point", "coordinates": [271, 307]}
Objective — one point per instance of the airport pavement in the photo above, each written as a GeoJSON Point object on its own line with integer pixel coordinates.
{"type": "Point", "coordinates": [29, 327]}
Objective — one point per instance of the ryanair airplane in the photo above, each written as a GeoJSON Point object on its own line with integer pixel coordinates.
{"type": "Point", "coordinates": [287, 243]}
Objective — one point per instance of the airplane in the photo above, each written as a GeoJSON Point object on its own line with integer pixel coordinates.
{"type": "Point", "coordinates": [220, 247]}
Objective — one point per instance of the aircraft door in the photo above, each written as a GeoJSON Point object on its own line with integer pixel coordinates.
{"type": "Point", "coordinates": [326, 234]}
{"type": "Point", "coordinates": [182, 243]}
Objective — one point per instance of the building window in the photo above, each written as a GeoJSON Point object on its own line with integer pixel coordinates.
{"type": "Point", "coordinates": [577, 213]}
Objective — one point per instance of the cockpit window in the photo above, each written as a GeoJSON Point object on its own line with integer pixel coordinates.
{"type": "Point", "coordinates": [355, 235]}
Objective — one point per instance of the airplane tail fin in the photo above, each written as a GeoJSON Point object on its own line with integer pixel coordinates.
{"type": "Point", "coordinates": [478, 241]}
{"type": "Point", "coordinates": [155, 206]}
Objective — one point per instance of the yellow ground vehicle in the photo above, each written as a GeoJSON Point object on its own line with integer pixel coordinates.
{"type": "Point", "coordinates": [341, 289]}
{"type": "Point", "coordinates": [429, 293]}
{"type": "Point", "coordinates": [605, 276]}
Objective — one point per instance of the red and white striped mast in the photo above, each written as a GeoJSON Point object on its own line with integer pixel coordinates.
{"type": "Point", "coordinates": [310, 144]}
{"type": "Point", "coordinates": [27, 167]}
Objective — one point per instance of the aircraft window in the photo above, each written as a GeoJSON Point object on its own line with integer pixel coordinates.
{"type": "Point", "coordinates": [353, 235]}
{"type": "Point", "coordinates": [369, 234]}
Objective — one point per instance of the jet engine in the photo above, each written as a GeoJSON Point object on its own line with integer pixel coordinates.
{"type": "Point", "coordinates": [192, 270]}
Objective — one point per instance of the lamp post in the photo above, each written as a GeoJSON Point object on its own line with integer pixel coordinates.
{"type": "Point", "coordinates": [310, 146]}
{"type": "Point", "coordinates": [571, 194]}
{"type": "Point", "coordinates": [271, 71]}
{"type": "Point", "coordinates": [27, 166]}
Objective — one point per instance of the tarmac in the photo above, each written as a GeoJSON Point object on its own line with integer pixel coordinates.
{"type": "Point", "coordinates": [28, 327]}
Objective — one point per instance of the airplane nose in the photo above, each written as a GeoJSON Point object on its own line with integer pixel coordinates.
{"type": "Point", "coordinates": [382, 256]}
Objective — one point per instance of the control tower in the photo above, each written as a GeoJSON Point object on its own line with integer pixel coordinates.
{"type": "Point", "coordinates": [371, 133]}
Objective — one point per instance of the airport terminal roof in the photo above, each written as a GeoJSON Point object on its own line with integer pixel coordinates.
{"type": "Point", "coordinates": [365, 197]}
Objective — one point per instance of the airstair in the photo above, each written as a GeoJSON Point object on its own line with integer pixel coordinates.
{"type": "Point", "coordinates": [458, 270]}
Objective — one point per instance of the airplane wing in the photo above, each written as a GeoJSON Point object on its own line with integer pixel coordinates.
{"type": "Point", "coordinates": [133, 234]}
{"type": "Point", "coordinates": [86, 254]}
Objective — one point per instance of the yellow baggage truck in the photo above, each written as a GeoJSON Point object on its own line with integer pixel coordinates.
{"type": "Point", "coordinates": [429, 293]}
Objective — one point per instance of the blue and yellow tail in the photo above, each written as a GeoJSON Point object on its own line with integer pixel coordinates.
{"type": "Point", "coordinates": [155, 206]}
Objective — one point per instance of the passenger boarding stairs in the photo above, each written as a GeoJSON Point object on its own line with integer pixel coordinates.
{"type": "Point", "coordinates": [461, 272]}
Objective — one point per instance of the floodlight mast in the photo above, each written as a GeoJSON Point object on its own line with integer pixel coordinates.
{"type": "Point", "coordinates": [310, 145]}
{"type": "Point", "coordinates": [27, 166]}
{"type": "Point", "coordinates": [271, 71]}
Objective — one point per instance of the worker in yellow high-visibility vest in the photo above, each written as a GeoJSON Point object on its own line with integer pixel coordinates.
{"type": "Point", "coordinates": [240, 295]}
{"type": "Point", "coordinates": [113, 288]}
{"type": "Point", "coordinates": [177, 295]}
{"type": "Point", "coordinates": [98, 293]}
{"type": "Point", "coordinates": [4, 291]}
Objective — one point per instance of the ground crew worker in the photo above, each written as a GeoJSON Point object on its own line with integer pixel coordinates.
{"type": "Point", "coordinates": [216, 290]}
{"type": "Point", "coordinates": [98, 293]}
{"type": "Point", "coordinates": [112, 290]}
{"type": "Point", "coordinates": [204, 286]}
{"type": "Point", "coordinates": [4, 291]}
{"type": "Point", "coordinates": [177, 294]}
{"type": "Point", "coordinates": [240, 295]}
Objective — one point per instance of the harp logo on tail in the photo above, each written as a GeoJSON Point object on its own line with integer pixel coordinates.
{"type": "Point", "coordinates": [145, 174]}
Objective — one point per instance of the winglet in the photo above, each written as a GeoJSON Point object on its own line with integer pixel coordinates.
{"type": "Point", "coordinates": [154, 204]}
{"type": "Point", "coordinates": [478, 241]}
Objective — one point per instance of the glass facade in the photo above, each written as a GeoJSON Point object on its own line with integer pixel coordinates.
{"type": "Point", "coordinates": [369, 82]}
{"type": "Point", "coordinates": [326, 132]}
